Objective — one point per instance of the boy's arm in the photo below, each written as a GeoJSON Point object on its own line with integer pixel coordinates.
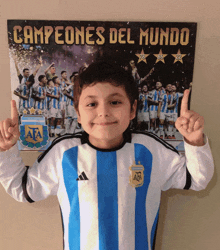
{"type": "Point", "coordinates": [21, 183]}
{"type": "Point", "coordinates": [194, 171]}
{"type": "Point", "coordinates": [190, 124]}
{"type": "Point", "coordinates": [28, 184]}
{"type": "Point", "coordinates": [9, 129]}
{"type": "Point", "coordinates": [197, 166]}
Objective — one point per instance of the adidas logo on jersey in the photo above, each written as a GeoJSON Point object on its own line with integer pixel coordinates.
{"type": "Point", "coordinates": [82, 177]}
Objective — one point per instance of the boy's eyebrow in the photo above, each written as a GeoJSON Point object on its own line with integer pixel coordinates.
{"type": "Point", "coordinates": [111, 95]}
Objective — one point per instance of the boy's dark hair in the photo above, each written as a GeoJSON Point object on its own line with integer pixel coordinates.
{"type": "Point", "coordinates": [41, 77]}
{"type": "Point", "coordinates": [62, 72]}
{"type": "Point", "coordinates": [103, 71]}
{"type": "Point", "coordinates": [54, 79]}
{"type": "Point", "coordinates": [25, 69]}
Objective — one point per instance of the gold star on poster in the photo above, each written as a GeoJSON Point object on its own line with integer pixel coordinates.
{"type": "Point", "coordinates": [160, 56]}
{"type": "Point", "coordinates": [25, 112]}
{"type": "Point", "coordinates": [40, 112]}
{"type": "Point", "coordinates": [142, 56]}
{"type": "Point", "coordinates": [32, 111]}
{"type": "Point", "coordinates": [178, 56]}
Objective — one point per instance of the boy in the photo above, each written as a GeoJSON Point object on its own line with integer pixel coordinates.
{"type": "Point", "coordinates": [107, 179]}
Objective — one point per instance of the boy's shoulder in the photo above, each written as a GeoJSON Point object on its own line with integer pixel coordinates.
{"type": "Point", "coordinates": [150, 139]}
{"type": "Point", "coordinates": [63, 142]}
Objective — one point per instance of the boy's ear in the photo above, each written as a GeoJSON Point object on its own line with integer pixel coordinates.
{"type": "Point", "coordinates": [133, 110]}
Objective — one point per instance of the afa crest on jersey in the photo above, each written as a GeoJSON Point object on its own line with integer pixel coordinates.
{"type": "Point", "coordinates": [136, 178]}
{"type": "Point", "coordinates": [33, 131]}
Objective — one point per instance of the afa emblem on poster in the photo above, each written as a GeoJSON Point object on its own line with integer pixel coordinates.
{"type": "Point", "coordinates": [137, 175]}
{"type": "Point", "coordinates": [33, 132]}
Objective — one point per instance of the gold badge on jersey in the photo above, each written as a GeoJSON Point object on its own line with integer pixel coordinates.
{"type": "Point", "coordinates": [136, 178]}
{"type": "Point", "coordinates": [34, 133]}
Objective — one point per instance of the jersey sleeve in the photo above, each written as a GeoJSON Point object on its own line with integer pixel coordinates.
{"type": "Point", "coordinates": [28, 184]}
{"type": "Point", "coordinates": [194, 171]}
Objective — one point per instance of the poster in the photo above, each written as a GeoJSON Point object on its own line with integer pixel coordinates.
{"type": "Point", "coordinates": [46, 56]}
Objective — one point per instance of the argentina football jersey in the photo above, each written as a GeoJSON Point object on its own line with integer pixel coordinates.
{"type": "Point", "coordinates": [109, 198]}
{"type": "Point", "coordinates": [40, 92]}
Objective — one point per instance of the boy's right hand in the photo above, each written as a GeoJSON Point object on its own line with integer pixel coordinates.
{"type": "Point", "coordinates": [9, 129]}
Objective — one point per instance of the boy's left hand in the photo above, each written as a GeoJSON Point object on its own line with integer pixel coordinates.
{"type": "Point", "coordinates": [190, 124]}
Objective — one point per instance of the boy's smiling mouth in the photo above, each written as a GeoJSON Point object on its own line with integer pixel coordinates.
{"type": "Point", "coordinates": [105, 123]}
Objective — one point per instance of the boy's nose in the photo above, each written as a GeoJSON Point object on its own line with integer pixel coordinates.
{"type": "Point", "coordinates": [103, 110]}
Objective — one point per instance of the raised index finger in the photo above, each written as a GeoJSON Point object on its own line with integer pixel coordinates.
{"type": "Point", "coordinates": [184, 103]}
{"type": "Point", "coordinates": [14, 112]}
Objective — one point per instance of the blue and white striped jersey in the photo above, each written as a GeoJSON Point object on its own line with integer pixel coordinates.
{"type": "Point", "coordinates": [144, 100]}
{"type": "Point", "coordinates": [70, 91]}
{"type": "Point", "coordinates": [155, 95]}
{"type": "Point", "coordinates": [63, 97]}
{"type": "Point", "coordinates": [102, 207]}
{"type": "Point", "coordinates": [31, 100]}
{"type": "Point", "coordinates": [24, 91]}
{"type": "Point", "coordinates": [40, 92]}
{"type": "Point", "coordinates": [49, 90]}
{"type": "Point", "coordinates": [167, 99]}
{"type": "Point", "coordinates": [56, 102]}
{"type": "Point", "coordinates": [178, 95]}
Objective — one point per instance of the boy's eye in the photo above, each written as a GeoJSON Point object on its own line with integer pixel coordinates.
{"type": "Point", "coordinates": [115, 102]}
{"type": "Point", "coordinates": [91, 104]}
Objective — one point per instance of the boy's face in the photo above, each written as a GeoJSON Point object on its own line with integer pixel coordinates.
{"type": "Point", "coordinates": [105, 112]}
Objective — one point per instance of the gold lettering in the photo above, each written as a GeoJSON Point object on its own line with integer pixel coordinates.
{"type": "Point", "coordinates": [69, 35]}
{"type": "Point", "coordinates": [48, 30]}
{"type": "Point", "coordinates": [57, 35]}
{"type": "Point", "coordinates": [100, 30]}
{"type": "Point", "coordinates": [113, 35]}
{"type": "Point", "coordinates": [28, 34]}
{"type": "Point", "coordinates": [143, 34]}
{"type": "Point", "coordinates": [38, 33]}
{"type": "Point", "coordinates": [17, 39]}
{"type": "Point", "coordinates": [80, 33]}
{"type": "Point", "coordinates": [155, 42]}
{"type": "Point", "coordinates": [184, 32]}
{"type": "Point", "coordinates": [129, 37]}
{"type": "Point", "coordinates": [164, 35]}
{"type": "Point", "coordinates": [174, 36]}
{"type": "Point", "coordinates": [121, 35]}
{"type": "Point", "coordinates": [88, 35]}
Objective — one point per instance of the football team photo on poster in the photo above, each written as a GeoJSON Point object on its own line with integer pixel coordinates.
{"type": "Point", "coordinates": [47, 56]}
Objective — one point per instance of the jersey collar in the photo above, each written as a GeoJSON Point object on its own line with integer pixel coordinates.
{"type": "Point", "coordinates": [126, 135]}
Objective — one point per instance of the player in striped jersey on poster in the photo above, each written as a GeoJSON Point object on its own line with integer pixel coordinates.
{"type": "Point", "coordinates": [55, 111]}
{"type": "Point", "coordinates": [154, 97]}
{"type": "Point", "coordinates": [39, 92]}
{"type": "Point", "coordinates": [167, 103]}
{"type": "Point", "coordinates": [23, 92]}
{"type": "Point", "coordinates": [108, 179]}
